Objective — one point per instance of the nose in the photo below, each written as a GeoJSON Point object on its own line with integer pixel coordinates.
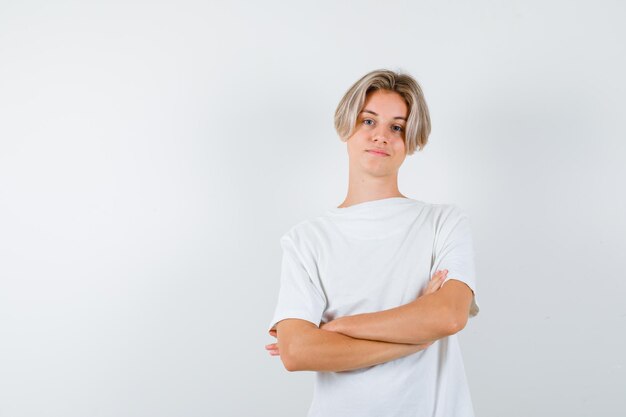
{"type": "Point", "coordinates": [379, 134]}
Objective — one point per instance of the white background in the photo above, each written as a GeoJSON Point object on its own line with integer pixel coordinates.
{"type": "Point", "coordinates": [152, 154]}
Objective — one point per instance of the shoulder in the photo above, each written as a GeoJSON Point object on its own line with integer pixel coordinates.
{"type": "Point", "coordinates": [449, 217]}
{"type": "Point", "coordinates": [442, 212]}
{"type": "Point", "coordinates": [300, 231]}
{"type": "Point", "coordinates": [305, 237]}
{"type": "Point", "coordinates": [449, 212]}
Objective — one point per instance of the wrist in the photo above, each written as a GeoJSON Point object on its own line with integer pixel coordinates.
{"type": "Point", "coordinates": [336, 325]}
{"type": "Point", "coordinates": [339, 325]}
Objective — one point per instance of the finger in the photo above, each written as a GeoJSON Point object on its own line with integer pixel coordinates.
{"type": "Point", "coordinates": [437, 279]}
{"type": "Point", "coordinates": [439, 274]}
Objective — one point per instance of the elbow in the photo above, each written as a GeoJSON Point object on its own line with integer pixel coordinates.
{"type": "Point", "coordinates": [289, 357]}
{"type": "Point", "coordinates": [294, 345]}
{"type": "Point", "coordinates": [456, 323]}
{"type": "Point", "coordinates": [455, 327]}
{"type": "Point", "coordinates": [289, 363]}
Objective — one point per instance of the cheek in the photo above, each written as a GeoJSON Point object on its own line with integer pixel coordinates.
{"type": "Point", "coordinates": [359, 139]}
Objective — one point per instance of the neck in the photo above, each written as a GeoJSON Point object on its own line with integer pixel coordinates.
{"type": "Point", "coordinates": [364, 189]}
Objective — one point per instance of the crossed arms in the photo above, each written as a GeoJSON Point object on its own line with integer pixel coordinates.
{"type": "Point", "coordinates": [362, 340]}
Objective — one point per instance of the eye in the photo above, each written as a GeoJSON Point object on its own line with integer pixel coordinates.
{"type": "Point", "coordinates": [399, 128]}
{"type": "Point", "coordinates": [367, 120]}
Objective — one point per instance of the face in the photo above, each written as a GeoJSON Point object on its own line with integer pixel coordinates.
{"type": "Point", "coordinates": [379, 127]}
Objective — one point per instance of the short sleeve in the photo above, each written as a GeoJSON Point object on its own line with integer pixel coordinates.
{"type": "Point", "coordinates": [454, 250]}
{"type": "Point", "coordinates": [300, 295]}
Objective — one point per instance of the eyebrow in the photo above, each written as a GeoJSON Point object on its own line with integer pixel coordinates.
{"type": "Point", "coordinates": [376, 114]}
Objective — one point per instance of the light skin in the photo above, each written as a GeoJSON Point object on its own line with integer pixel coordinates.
{"type": "Point", "coordinates": [353, 342]}
{"type": "Point", "coordinates": [381, 125]}
{"type": "Point", "coordinates": [433, 285]}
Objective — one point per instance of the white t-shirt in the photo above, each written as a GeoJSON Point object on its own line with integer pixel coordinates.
{"type": "Point", "coordinates": [369, 257]}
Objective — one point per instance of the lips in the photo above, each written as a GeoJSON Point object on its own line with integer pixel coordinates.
{"type": "Point", "coordinates": [378, 152]}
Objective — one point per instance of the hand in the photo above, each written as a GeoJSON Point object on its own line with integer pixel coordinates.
{"type": "Point", "coordinates": [435, 282]}
{"type": "Point", "coordinates": [433, 285]}
{"type": "Point", "coordinates": [272, 348]}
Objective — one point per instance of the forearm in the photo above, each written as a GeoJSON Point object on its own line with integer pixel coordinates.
{"type": "Point", "coordinates": [423, 320]}
{"type": "Point", "coordinates": [323, 350]}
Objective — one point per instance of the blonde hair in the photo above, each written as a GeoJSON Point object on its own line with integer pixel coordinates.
{"type": "Point", "coordinates": [418, 122]}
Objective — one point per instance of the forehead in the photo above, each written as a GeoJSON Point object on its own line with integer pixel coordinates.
{"type": "Point", "coordinates": [386, 103]}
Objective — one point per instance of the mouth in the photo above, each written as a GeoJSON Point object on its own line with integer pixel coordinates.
{"type": "Point", "coordinates": [375, 152]}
